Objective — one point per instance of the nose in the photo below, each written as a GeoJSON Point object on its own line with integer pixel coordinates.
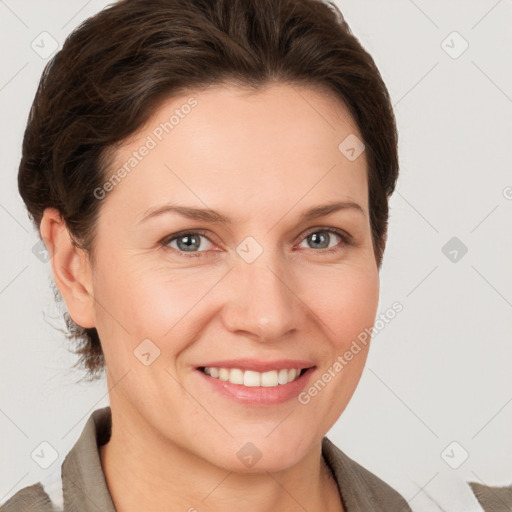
{"type": "Point", "coordinates": [262, 303]}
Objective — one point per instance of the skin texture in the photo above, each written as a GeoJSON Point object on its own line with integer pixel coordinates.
{"type": "Point", "coordinates": [260, 158]}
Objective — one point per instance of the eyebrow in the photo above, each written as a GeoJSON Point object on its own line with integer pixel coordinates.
{"type": "Point", "coordinates": [213, 217]}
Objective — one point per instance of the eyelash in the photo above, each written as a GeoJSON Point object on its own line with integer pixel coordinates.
{"type": "Point", "coordinates": [346, 240]}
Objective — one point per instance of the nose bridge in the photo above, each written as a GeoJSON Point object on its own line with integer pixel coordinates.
{"type": "Point", "coordinates": [264, 303]}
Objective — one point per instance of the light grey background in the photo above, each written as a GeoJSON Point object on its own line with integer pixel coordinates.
{"type": "Point", "coordinates": [440, 371]}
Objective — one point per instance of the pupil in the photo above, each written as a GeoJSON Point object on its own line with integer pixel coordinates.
{"type": "Point", "coordinates": [315, 238]}
{"type": "Point", "coordinates": [189, 242]}
{"type": "Point", "coordinates": [192, 242]}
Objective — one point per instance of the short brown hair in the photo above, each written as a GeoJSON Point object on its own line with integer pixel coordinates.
{"type": "Point", "coordinates": [119, 65]}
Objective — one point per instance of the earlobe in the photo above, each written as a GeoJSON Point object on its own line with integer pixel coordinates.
{"type": "Point", "coordinates": [71, 268]}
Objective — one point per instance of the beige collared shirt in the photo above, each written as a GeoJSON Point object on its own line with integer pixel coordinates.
{"type": "Point", "coordinates": [84, 488]}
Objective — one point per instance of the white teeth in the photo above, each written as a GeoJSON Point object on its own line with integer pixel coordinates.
{"type": "Point", "coordinates": [269, 379]}
{"type": "Point", "coordinates": [251, 378]}
{"type": "Point", "coordinates": [236, 376]}
{"type": "Point", "coordinates": [283, 376]}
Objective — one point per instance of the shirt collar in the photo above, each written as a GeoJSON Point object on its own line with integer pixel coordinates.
{"type": "Point", "coordinates": [83, 481]}
{"type": "Point", "coordinates": [85, 488]}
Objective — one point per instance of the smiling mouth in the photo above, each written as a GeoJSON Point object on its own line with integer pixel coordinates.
{"type": "Point", "coordinates": [250, 378]}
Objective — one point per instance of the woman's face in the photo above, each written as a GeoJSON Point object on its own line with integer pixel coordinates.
{"type": "Point", "coordinates": [257, 286]}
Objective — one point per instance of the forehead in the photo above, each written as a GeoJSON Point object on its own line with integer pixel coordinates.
{"type": "Point", "coordinates": [227, 146]}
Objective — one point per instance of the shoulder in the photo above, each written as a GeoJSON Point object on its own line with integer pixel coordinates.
{"type": "Point", "coordinates": [360, 489]}
{"type": "Point", "coordinates": [492, 499]}
{"type": "Point", "coordinates": [81, 469]}
{"type": "Point", "coordinates": [29, 499]}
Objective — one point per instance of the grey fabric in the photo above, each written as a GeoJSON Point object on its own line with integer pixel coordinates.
{"type": "Point", "coordinates": [360, 490]}
{"type": "Point", "coordinates": [29, 499]}
{"type": "Point", "coordinates": [83, 480]}
{"type": "Point", "coordinates": [493, 499]}
{"type": "Point", "coordinates": [85, 488]}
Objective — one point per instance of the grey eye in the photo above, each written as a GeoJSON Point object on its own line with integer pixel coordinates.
{"type": "Point", "coordinates": [321, 239]}
{"type": "Point", "coordinates": [188, 242]}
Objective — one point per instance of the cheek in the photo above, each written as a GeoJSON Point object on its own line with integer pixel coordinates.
{"type": "Point", "coordinates": [346, 308]}
{"type": "Point", "coordinates": [346, 301]}
{"type": "Point", "coordinates": [135, 303]}
{"type": "Point", "coordinates": [138, 303]}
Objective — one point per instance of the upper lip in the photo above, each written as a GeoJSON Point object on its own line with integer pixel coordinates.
{"type": "Point", "coordinates": [259, 366]}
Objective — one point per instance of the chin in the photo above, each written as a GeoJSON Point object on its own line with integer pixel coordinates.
{"type": "Point", "coordinates": [259, 456]}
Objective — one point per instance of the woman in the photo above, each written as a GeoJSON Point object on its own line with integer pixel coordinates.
{"type": "Point", "coordinates": [212, 186]}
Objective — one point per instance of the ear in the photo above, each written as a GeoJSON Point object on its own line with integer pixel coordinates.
{"type": "Point", "coordinates": [71, 268]}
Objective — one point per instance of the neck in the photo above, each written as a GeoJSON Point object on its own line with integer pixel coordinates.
{"type": "Point", "coordinates": [145, 472]}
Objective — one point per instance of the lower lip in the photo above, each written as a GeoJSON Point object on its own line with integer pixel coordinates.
{"type": "Point", "coordinates": [258, 395]}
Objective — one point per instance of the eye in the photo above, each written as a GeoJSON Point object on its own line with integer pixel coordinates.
{"type": "Point", "coordinates": [322, 238]}
{"type": "Point", "coordinates": [187, 243]}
